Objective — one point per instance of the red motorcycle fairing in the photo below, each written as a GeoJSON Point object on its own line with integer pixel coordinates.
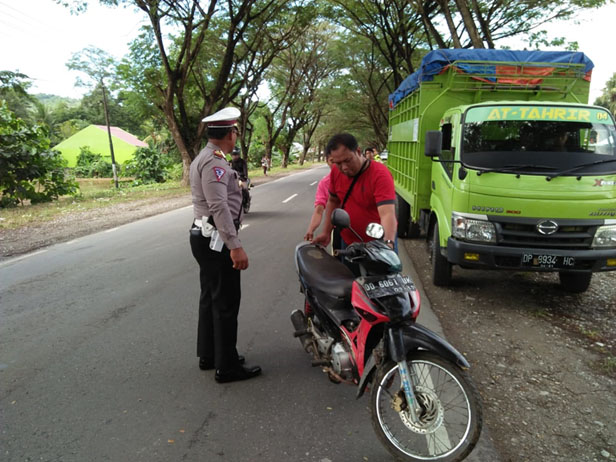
{"type": "Point", "coordinates": [370, 317]}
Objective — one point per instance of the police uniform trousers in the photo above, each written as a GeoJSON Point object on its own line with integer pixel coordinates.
{"type": "Point", "coordinates": [219, 304]}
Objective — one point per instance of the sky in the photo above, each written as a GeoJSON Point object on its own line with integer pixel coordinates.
{"type": "Point", "coordinates": [39, 37]}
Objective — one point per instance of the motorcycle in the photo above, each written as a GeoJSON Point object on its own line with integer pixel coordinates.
{"type": "Point", "coordinates": [363, 331]}
{"type": "Point", "coordinates": [245, 184]}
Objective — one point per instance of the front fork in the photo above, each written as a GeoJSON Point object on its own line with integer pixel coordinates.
{"type": "Point", "coordinates": [397, 351]}
{"type": "Point", "coordinates": [405, 377]}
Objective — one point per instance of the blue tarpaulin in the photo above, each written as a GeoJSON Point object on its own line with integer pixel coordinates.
{"type": "Point", "coordinates": [437, 60]}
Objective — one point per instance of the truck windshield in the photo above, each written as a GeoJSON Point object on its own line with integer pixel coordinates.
{"type": "Point", "coordinates": [535, 140]}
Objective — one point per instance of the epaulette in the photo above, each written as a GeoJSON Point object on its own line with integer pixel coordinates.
{"type": "Point", "coordinates": [220, 154]}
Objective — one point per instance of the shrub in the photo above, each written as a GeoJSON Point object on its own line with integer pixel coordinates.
{"type": "Point", "coordinates": [175, 171]}
{"type": "Point", "coordinates": [148, 165]}
{"type": "Point", "coordinates": [91, 164]}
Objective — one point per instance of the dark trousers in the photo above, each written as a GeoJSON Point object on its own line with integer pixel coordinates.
{"type": "Point", "coordinates": [219, 304]}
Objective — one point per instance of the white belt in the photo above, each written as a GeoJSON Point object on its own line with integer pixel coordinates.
{"type": "Point", "coordinates": [198, 223]}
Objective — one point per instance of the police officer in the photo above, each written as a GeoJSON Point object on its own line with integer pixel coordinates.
{"type": "Point", "coordinates": [217, 210]}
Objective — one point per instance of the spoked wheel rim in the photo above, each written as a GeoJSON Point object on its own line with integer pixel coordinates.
{"type": "Point", "coordinates": [444, 422]}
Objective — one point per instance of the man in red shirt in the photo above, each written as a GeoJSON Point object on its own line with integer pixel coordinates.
{"type": "Point", "coordinates": [372, 195]}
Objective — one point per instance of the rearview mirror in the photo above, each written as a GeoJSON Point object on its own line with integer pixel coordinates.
{"type": "Point", "coordinates": [340, 218]}
{"type": "Point", "coordinates": [434, 141]}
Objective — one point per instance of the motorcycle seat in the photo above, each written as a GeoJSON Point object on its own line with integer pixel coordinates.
{"type": "Point", "coordinates": [323, 272]}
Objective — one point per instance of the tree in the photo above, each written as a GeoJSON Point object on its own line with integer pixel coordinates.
{"type": "Point", "coordinates": [608, 96]}
{"type": "Point", "coordinates": [298, 76]}
{"type": "Point", "coordinates": [14, 91]}
{"type": "Point", "coordinates": [98, 65]}
{"type": "Point", "coordinates": [29, 170]}
{"type": "Point", "coordinates": [481, 23]}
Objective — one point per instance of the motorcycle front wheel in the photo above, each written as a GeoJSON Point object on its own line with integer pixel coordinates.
{"type": "Point", "coordinates": [449, 423]}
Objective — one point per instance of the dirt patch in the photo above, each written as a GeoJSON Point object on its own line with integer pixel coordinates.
{"type": "Point", "coordinates": [542, 358]}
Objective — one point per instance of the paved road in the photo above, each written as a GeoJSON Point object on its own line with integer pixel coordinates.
{"type": "Point", "coordinates": [97, 351]}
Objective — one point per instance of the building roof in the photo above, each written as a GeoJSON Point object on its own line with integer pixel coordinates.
{"type": "Point", "coordinates": [95, 137]}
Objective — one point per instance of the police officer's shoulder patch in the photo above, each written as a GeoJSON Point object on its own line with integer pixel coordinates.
{"type": "Point", "coordinates": [219, 172]}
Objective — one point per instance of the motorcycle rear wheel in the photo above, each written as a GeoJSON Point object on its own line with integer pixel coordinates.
{"type": "Point", "coordinates": [450, 422]}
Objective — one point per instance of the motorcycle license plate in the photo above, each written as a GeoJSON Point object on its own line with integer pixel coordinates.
{"type": "Point", "coordinates": [547, 261]}
{"type": "Point", "coordinates": [379, 286]}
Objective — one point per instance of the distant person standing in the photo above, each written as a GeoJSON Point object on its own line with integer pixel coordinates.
{"type": "Point", "coordinates": [214, 241]}
{"type": "Point", "coordinates": [265, 164]}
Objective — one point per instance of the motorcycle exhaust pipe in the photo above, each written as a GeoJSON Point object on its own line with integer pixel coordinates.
{"type": "Point", "coordinates": [301, 330]}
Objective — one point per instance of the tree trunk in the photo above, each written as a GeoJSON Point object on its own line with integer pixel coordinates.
{"type": "Point", "coordinates": [485, 29]}
{"type": "Point", "coordinates": [469, 23]}
{"type": "Point", "coordinates": [450, 24]}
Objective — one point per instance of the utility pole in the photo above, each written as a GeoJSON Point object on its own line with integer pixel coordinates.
{"type": "Point", "coordinates": [113, 164]}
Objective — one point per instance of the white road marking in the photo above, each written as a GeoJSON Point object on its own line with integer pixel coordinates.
{"type": "Point", "coordinates": [314, 182]}
{"type": "Point", "coordinates": [244, 226]}
{"type": "Point", "coordinates": [111, 230]}
{"type": "Point", "coordinates": [13, 260]}
{"type": "Point", "coordinates": [288, 198]}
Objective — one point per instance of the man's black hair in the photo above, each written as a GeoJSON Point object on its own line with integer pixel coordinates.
{"type": "Point", "coordinates": [218, 133]}
{"type": "Point", "coordinates": [345, 139]}
{"type": "Point", "coordinates": [369, 149]}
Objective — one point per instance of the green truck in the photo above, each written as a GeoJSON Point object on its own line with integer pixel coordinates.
{"type": "Point", "coordinates": [500, 161]}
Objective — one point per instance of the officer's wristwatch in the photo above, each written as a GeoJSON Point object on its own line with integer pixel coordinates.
{"type": "Point", "coordinates": [390, 243]}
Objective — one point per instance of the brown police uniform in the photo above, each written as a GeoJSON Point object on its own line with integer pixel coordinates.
{"type": "Point", "coordinates": [216, 193]}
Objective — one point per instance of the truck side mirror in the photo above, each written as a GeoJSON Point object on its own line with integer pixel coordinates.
{"type": "Point", "coordinates": [434, 140]}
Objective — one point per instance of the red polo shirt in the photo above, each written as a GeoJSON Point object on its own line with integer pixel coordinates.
{"type": "Point", "coordinates": [374, 187]}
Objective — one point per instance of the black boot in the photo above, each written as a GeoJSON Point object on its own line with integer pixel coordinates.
{"type": "Point", "coordinates": [239, 373]}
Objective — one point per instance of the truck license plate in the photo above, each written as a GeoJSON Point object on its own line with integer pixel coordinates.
{"type": "Point", "coordinates": [547, 261]}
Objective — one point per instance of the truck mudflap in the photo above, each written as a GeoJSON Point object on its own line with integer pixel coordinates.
{"type": "Point", "coordinates": [415, 337]}
{"type": "Point", "coordinates": [481, 256]}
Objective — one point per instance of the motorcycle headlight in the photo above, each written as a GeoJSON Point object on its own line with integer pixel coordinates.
{"type": "Point", "coordinates": [471, 229]}
{"type": "Point", "coordinates": [605, 236]}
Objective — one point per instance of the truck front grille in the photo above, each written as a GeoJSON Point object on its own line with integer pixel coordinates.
{"type": "Point", "coordinates": [571, 234]}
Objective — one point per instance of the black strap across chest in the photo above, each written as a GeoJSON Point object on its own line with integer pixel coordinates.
{"type": "Point", "coordinates": [363, 168]}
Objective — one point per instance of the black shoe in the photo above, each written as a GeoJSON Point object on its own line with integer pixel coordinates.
{"type": "Point", "coordinates": [208, 364]}
{"type": "Point", "coordinates": [241, 373]}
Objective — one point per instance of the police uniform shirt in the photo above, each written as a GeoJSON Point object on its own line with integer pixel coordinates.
{"type": "Point", "coordinates": [216, 192]}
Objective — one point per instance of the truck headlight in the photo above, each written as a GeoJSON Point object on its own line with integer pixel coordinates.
{"type": "Point", "coordinates": [605, 236]}
{"type": "Point", "coordinates": [471, 229]}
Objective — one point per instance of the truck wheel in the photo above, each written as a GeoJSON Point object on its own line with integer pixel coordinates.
{"type": "Point", "coordinates": [403, 212]}
{"type": "Point", "coordinates": [575, 282]}
{"type": "Point", "coordinates": [441, 268]}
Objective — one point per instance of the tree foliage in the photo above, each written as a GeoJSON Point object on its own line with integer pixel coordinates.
{"type": "Point", "coordinates": [608, 96]}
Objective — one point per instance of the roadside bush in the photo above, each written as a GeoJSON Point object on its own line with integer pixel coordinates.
{"type": "Point", "coordinates": [175, 171]}
{"type": "Point", "coordinates": [148, 165]}
{"type": "Point", "coordinates": [29, 169]}
{"type": "Point", "coordinates": [91, 164]}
